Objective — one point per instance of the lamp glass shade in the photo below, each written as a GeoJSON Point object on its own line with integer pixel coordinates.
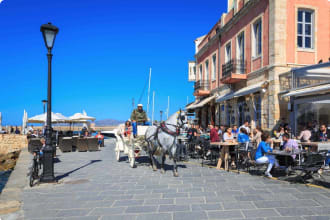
{"type": "Point", "coordinates": [49, 36]}
{"type": "Point", "coordinates": [49, 32]}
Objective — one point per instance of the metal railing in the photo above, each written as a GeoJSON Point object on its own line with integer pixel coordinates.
{"type": "Point", "coordinates": [201, 85]}
{"type": "Point", "coordinates": [233, 66]}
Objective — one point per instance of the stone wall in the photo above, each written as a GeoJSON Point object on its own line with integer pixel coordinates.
{"type": "Point", "coordinates": [12, 142]}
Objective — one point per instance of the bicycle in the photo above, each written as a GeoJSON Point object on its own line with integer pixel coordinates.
{"type": "Point", "coordinates": [36, 166]}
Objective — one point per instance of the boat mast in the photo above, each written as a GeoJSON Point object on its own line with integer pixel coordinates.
{"type": "Point", "coordinates": [149, 93]}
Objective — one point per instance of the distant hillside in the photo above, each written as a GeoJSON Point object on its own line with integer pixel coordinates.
{"type": "Point", "coordinates": [108, 122]}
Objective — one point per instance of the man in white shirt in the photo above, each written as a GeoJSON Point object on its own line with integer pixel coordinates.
{"type": "Point", "coordinates": [246, 126]}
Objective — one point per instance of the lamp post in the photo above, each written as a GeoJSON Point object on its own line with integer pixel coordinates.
{"type": "Point", "coordinates": [161, 115]}
{"type": "Point", "coordinates": [49, 32]}
{"type": "Point", "coordinates": [44, 103]}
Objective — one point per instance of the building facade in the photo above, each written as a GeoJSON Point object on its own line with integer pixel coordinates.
{"type": "Point", "coordinates": [238, 63]}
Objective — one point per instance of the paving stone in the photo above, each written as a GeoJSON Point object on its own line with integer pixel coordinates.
{"type": "Point", "coordinates": [321, 210]}
{"type": "Point", "coordinates": [175, 195]}
{"type": "Point", "coordinates": [107, 211]}
{"type": "Point", "coordinates": [158, 216]}
{"type": "Point", "coordinates": [317, 217]}
{"type": "Point", "coordinates": [173, 208]}
{"type": "Point", "coordinates": [286, 203]}
{"type": "Point", "coordinates": [159, 201]}
{"type": "Point", "coordinates": [195, 200]}
{"type": "Point", "coordinates": [259, 212]}
{"type": "Point", "coordinates": [295, 211]}
{"type": "Point", "coordinates": [238, 205]}
{"type": "Point", "coordinates": [224, 214]}
{"type": "Point", "coordinates": [141, 209]}
{"type": "Point", "coordinates": [249, 198]}
{"type": "Point", "coordinates": [128, 202]}
{"type": "Point", "coordinates": [206, 207]}
{"type": "Point", "coordinates": [119, 217]}
{"type": "Point", "coordinates": [200, 215]}
{"type": "Point", "coordinates": [83, 218]}
{"type": "Point", "coordinates": [72, 212]}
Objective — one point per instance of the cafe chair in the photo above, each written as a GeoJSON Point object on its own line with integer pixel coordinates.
{"type": "Point", "coordinates": [311, 164]}
{"type": "Point", "coordinates": [253, 163]}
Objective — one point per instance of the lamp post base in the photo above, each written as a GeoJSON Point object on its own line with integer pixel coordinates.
{"type": "Point", "coordinates": [48, 166]}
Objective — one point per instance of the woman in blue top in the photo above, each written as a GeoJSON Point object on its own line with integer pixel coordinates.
{"type": "Point", "coordinates": [261, 156]}
{"type": "Point", "coordinates": [243, 137]}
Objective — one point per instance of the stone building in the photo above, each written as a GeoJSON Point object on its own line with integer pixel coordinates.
{"type": "Point", "coordinates": [238, 63]}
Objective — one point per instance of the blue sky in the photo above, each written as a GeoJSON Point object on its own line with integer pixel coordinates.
{"type": "Point", "coordinates": [102, 54]}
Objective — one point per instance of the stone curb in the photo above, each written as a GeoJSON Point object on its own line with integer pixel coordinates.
{"type": "Point", "coordinates": [11, 196]}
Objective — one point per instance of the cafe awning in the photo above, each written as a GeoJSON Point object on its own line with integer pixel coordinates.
{"type": "Point", "coordinates": [205, 101]}
{"type": "Point", "coordinates": [242, 92]}
{"type": "Point", "coordinates": [313, 90]}
{"type": "Point", "coordinates": [191, 105]}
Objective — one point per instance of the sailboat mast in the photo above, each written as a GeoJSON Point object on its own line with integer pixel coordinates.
{"type": "Point", "coordinates": [149, 92]}
{"type": "Point", "coordinates": [153, 108]}
{"type": "Point", "coordinates": [168, 106]}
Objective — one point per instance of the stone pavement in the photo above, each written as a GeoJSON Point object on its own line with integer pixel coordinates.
{"type": "Point", "coordinates": [93, 185]}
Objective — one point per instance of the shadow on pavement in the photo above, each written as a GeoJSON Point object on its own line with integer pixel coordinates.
{"type": "Point", "coordinates": [72, 171]}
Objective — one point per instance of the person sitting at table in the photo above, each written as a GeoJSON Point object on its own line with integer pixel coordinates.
{"type": "Point", "coordinates": [229, 137]}
{"type": "Point", "coordinates": [246, 126]}
{"type": "Point", "coordinates": [324, 136]}
{"type": "Point", "coordinates": [261, 157]}
{"type": "Point", "coordinates": [235, 131]}
{"type": "Point", "coordinates": [192, 133]}
{"type": "Point", "coordinates": [305, 135]}
{"type": "Point", "coordinates": [243, 136]}
{"type": "Point", "coordinates": [214, 137]}
{"type": "Point", "coordinates": [221, 131]}
{"type": "Point", "coordinates": [256, 138]}
{"type": "Point", "coordinates": [289, 145]}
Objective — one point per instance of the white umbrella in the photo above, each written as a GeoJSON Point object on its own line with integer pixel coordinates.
{"type": "Point", "coordinates": [79, 117]}
{"type": "Point", "coordinates": [24, 122]}
{"type": "Point", "coordinates": [56, 118]}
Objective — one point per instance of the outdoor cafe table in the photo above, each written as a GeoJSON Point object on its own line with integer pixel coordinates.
{"type": "Point", "coordinates": [286, 155]}
{"type": "Point", "coordinates": [226, 145]}
{"type": "Point", "coordinates": [316, 145]}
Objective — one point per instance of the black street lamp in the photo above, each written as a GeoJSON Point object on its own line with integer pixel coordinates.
{"type": "Point", "coordinates": [44, 103]}
{"type": "Point", "coordinates": [161, 115]}
{"type": "Point", "coordinates": [49, 32]}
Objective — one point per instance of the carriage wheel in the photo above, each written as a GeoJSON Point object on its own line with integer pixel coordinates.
{"type": "Point", "coordinates": [118, 155]}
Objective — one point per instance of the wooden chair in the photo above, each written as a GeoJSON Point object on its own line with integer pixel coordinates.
{"type": "Point", "coordinates": [82, 144]}
{"type": "Point", "coordinates": [92, 144]}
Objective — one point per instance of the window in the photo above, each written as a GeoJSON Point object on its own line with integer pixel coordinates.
{"type": "Point", "coordinates": [257, 39]}
{"type": "Point", "coordinates": [228, 53]}
{"type": "Point", "coordinates": [257, 108]}
{"type": "Point", "coordinates": [240, 47]}
{"type": "Point", "coordinates": [305, 29]}
{"type": "Point", "coordinates": [214, 61]}
{"type": "Point", "coordinates": [206, 70]}
{"type": "Point", "coordinates": [200, 72]}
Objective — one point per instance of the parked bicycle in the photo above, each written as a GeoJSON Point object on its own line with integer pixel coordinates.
{"type": "Point", "coordinates": [36, 166]}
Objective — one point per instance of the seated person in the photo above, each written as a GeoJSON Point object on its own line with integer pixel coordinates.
{"type": "Point", "coordinates": [138, 117]}
{"type": "Point", "coordinates": [305, 135]}
{"type": "Point", "coordinates": [324, 136]}
{"type": "Point", "coordinates": [289, 145]}
{"type": "Point", "coordinates": [243, 136]}
{"type": "Point", "coordinates": [100, 138]}
{"type": "Point", "coordinates": [228, 136]}
{"type": "Point", "coordinates": [128, 129]}
{"type": "Point", "coordinates": [261, 156]}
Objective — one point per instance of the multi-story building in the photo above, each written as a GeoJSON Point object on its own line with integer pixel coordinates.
{"type": "Point", "coordinates": [238, 63]}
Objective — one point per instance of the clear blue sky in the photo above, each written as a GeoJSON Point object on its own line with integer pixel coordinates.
{"type": "Point", "coordinates": [102, 54]}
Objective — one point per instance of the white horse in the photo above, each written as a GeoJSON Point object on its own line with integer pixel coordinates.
{"type": "Point", "coordinates": [162, 140]}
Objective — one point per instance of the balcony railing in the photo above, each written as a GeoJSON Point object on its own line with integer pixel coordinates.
{"type": "Point", "coordinates": [201, 85]}
{"type": "Point", "coordinates": [235, 66]}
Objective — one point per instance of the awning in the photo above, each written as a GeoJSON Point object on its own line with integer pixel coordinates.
{"type": "Point", "coordinates": [205, 101]}
{"type": "Point", "coordinates": [242, 92]}
{"type": "Point", "coordinates": [309, 91]}
{"type": "Point", "coordinates": [191, 105]}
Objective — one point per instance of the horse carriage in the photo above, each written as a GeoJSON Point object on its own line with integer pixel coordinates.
{"type": "Point", "coordinates": [130, 146]}
{"type": "Point", "coordinates": [159, 140]}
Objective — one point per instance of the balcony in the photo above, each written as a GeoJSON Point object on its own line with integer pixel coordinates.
{"type": "Point", "coordinates": [202, 88]}
{"type": "Point", "coordinates": [233, 71]}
